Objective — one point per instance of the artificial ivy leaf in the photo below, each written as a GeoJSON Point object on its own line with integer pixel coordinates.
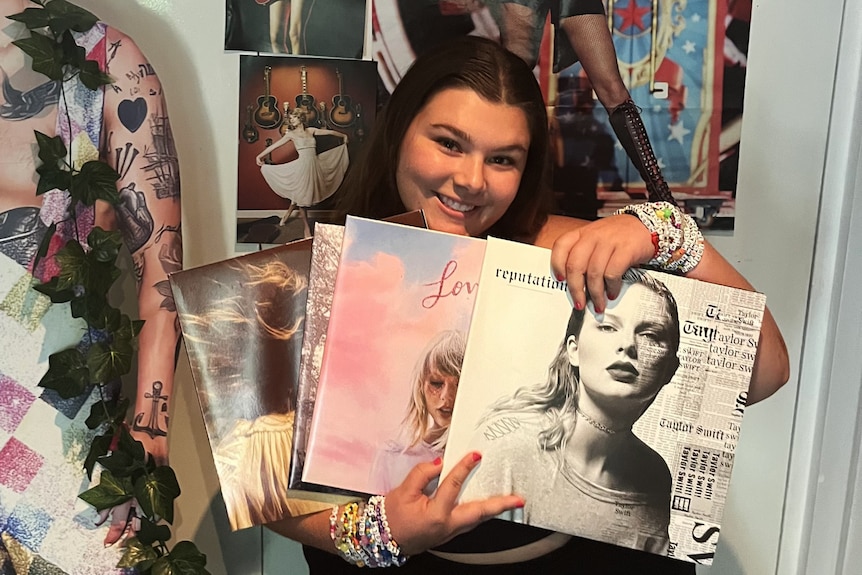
{"type": "Point", "coordinates": [51, 289]}
{"type": "Point", "coordinates": [95, 181]}
{"type": "Point", "coordinates": [119, 463]}
{"type": "Point", "coordinates": [67, 373]}
{"type": "Point", "coordinates": [137, 555]}
{"type": "Point", "coordinates": [45, 54]}
{"type": "Point", "coordinates": [100, 315]}
{"type": "Point", "coordinates": [110, 491]}
{"type": "Point", "coordinates": [52, 178]}
{"type": "Point", "coordinates": [51, 149]}
{"type": "Point", "coordinates": [32, 18]}
{"type": "Point", "coordinates": [183, 559]}
{"type": "Point", "coordinates": [151, 532]}
{"type": "Point", "coordinates": [131, 446]}
{"type": "Point", "coordinates": [92, 76]}
{"type": "Point", "coordinates": [72, 56]}
{"type": "Point", "coordinates": [79, 269]}
{"type": "Point", "coordinates": [45, 244]}
{"type": "Point", "coordinates": [125, 330]}
{"type": "Point", "coordinates": [90, 308]}
{"type": "Point", "coordinates": [110, 411]}
{"type": "Point", "coordinates": [72, 260]}
{"type": "Point", "coordinates": [105, 245]}
{"type": "Point", "coordinates": [67, 16]}
{"type": "Point", "coordinates": [100, 446]}
{"type": "Point", "coordinates": [156, 493]}
{"type": "Point", "coordinates": [109, 361]}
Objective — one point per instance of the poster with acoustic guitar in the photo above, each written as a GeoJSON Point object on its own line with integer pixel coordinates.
{"type": "Point", "coordinates": [300, 122]}
{"type": "Point", "coordinates": [333, 28]}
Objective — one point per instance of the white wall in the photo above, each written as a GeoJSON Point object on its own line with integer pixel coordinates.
{"type": "Point", "coordinates": [788, 101]}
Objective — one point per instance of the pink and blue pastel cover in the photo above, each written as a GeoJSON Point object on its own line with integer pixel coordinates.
{"type": "Point", "coordinates": [396, 288]}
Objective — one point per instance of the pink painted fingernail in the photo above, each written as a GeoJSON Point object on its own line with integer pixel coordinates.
{"type": "Point", "coordinates": [579, 306]}
{"type": "Point", "coordinates": [438, 461]}
{"type": "Point", "coordinates": [559, 277]}
{"type": "Point", "coordinates": [477, 456]}
{"type": "Point", "coordinates": [521, 504]}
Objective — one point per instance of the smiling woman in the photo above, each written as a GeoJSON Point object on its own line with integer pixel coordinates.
{"type": "Point", "coordinates": [465, 130]}
{"type": "Point", "coordinates": [464, 176]}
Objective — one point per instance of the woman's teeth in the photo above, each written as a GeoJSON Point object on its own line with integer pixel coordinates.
{"type": "Point", "coordinates": [457, 206]}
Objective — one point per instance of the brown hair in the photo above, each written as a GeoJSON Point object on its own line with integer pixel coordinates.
{"type": "Point", "coordinates": [493, 73]}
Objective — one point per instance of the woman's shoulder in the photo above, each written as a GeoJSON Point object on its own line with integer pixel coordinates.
{"type": "Point", "coordinates": [554, 227]}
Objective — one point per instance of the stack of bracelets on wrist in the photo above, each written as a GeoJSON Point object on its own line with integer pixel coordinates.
{"type": "Point", "coordinates": [362, 537]}
{"type": "Point", "coordinates": [675, 235]}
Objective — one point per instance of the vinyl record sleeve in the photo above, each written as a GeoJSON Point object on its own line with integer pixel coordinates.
{"type": "Point", "coordinates": [661, 482]}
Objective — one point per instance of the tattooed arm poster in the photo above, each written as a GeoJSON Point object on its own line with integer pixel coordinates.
{"type": "Point", "coordinates": [137, 142]}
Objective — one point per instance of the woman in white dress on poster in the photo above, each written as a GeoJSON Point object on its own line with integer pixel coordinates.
{"type": "Point", "coordinates": [310, 178]}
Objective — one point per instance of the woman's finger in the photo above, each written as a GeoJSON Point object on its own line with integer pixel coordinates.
{"type": "Point", "coordinates": [450, 486]}
{"type": "Point", "coordinates": [597, 274]}
{"type": "Point", "coordinates": [468, 515]}
{"type": "Point", "coordinates": [421, 475]}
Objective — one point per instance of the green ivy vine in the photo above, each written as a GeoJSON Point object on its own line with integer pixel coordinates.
{"type": "Point", "coordinates": [87, 272]}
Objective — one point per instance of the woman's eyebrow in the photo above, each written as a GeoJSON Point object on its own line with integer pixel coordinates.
{"type": "Point", "coordinates": [455, 131]}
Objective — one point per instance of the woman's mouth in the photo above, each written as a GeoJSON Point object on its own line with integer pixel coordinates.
{"type": "Point", "coordinates": [455, 205]}
{"type": "Point", "coordinates": [623, 372]}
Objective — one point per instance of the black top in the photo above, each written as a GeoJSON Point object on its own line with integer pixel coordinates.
{"type": "Point", "coordinates": [577, 557]}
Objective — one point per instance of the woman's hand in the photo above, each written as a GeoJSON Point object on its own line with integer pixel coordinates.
{"type": "Point", "coordinates": [596, 255]}
{"type": "Point", "coordinates": [124, 522]}
{"type": "Point", "coordinates": [258, 160]}
{"type": "Point", "coordinates": [419, 522]}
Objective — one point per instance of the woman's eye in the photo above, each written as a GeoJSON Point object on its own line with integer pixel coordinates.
{"type": "Point", "coordinates": [448, 143]}
{"type": "Point", "coordinates": [607, 328]}
{"type": "Point", "coordinates": [436, 384]}
{"type": "Point", "coordinates": [502, 161]}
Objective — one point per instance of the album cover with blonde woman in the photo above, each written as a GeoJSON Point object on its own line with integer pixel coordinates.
{"type": "Point", "coordinates": [401, 307]}
{"type": "Point", "coordinates": [242, 321]}
{"type": "Point", "coordinates": [619, 426]}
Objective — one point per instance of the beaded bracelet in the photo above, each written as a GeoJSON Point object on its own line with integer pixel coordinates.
{"type": "Point", "coordinates": [676, 238]}
{"type": "Point", "coordinates": [362, 537]}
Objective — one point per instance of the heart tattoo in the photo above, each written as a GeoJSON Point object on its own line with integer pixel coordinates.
{"type": "Point", "coordinates": [133, 113]}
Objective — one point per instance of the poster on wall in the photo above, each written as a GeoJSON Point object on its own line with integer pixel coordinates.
{"type": "Point", "coordinates": [683, 62]}
{"type": "Point", "coordinates": [332, 28]}
{"type": "Point", "coordinates": [301, 122]}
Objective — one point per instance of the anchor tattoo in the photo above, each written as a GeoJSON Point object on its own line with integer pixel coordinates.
{"type": "Point", "coordinates": [152, 428]}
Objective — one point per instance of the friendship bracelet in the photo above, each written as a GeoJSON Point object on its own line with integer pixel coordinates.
{"type": "Point", "coordinates": [677, 241]}
{"type": "Point", "coordinates": [362, 537]}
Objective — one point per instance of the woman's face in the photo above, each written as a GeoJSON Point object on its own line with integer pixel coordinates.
{"type": "Point", "coordinates": [627, 351]}
{"type": "Point", "coordinates": [439, 391]}
{"type": "Point", "coordinates": [293, 120]}
{"type": "Point", "coordinates": [461, 161]}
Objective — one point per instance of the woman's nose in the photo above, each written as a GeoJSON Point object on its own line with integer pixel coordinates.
{"type": "Point", "coordinates": [627, 345]}
{"type": "Point", "coordinates": [470, 175]}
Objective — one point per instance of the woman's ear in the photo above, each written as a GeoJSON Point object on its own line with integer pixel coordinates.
{"type": "Point", "coordinates": [572, 351]}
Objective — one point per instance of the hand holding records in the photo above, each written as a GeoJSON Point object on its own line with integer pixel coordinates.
{"type": "Point", "coordinates": [649, 386]}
